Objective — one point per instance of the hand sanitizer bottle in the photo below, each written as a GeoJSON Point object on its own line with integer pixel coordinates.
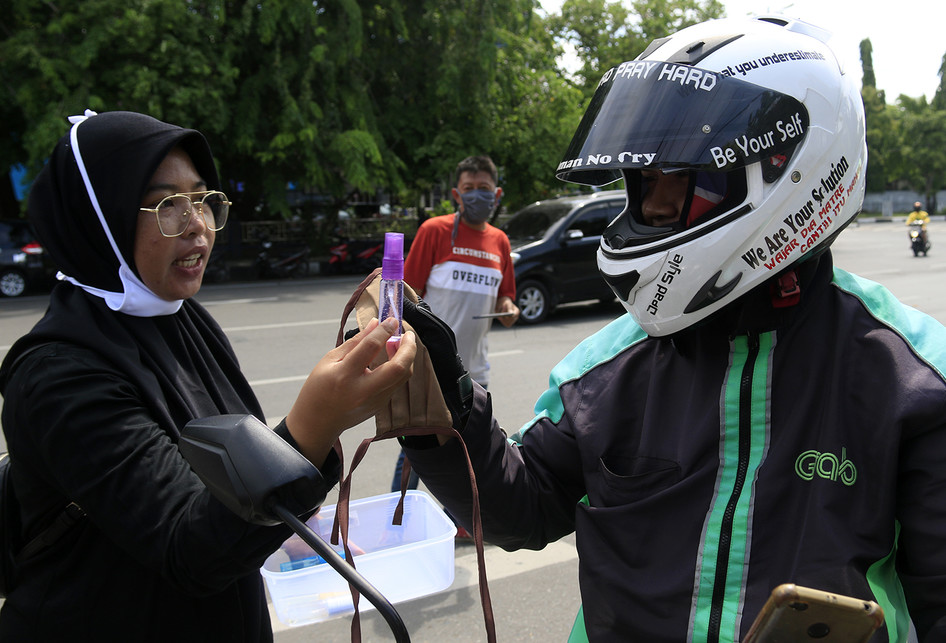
{"type": "Point", "coordinates": [392, 285]}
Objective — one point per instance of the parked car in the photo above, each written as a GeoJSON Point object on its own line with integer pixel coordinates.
{"type": "Point", "coordinates": [23, 263]}
{"type": "Point", "coordinates": [554, 247]}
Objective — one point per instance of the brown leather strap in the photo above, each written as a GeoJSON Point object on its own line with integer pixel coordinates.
{"type": "Point", "coordinates": [340, 525]}
{"type": "Point", "coordinates": [350, 306]}
{"type": "Point", "coordinates": [405, 478]}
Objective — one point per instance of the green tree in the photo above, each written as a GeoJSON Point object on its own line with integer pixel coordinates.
{"type": "Point", "coordinates": [867, 64]}
{"type": "Point", "coordinates": [59, 59]}
{"type": "Point", "coordinates": [606, 33]}
{"type": "Point", "coordinates": [924, 146]}
{"type": "Point", "coordinates": [335, 97]}
{"type": "Point", "coordinates": [939, 98]}
{"type": "Point", "coordinates": [884, 147]}
{"type": "Point", "coordinates": [429, 79]}
{"type": "Point", "coordinates": [303, 112]}
{"type": "Point", "coordinates": [275, 86]}
{"type": "Point", "coordinates": [884, 140]}
{"type": "Point", "coordinates": [470, 77]}
{"type": "Point", "coordinates": [533, 111]}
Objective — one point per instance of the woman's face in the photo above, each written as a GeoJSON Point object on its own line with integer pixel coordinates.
{"type": "Point", "coordinates": [172, 268]}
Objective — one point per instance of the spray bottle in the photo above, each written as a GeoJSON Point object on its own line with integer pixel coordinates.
{"type": "Point", "coordinates": [392, 285]}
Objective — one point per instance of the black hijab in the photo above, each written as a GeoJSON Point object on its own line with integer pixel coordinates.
{"type": "Point", "coordinates": [181, 362]}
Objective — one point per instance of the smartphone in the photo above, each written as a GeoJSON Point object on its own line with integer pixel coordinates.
{"type": "Point", "coordinates": [796, 614]}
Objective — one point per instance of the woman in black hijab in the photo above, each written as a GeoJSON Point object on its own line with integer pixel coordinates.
{"type": "Point", "coordinates": [96, 394]}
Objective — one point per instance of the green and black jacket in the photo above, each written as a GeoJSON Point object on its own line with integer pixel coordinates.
{"type": "Point", "coordinates": [700, 472]}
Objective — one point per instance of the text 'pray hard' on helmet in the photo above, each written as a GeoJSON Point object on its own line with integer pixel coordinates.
{"type": "Point", "coordinates": [771, 132]}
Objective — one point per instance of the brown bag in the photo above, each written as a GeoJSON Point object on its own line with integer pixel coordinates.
{"type": "Point", "coordinates": [419, 403]}
{"type": "Point", "coordinates": [417, 408]}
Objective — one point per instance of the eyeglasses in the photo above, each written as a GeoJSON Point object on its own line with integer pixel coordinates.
{"type": "Point", "coordinates": [174, 212]}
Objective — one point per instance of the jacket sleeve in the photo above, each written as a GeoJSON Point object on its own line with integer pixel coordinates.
{"type": "Point", "coordinates": [921, 556]}
{"type": "Point", "coordinates": [78, 431]}
{"type": "Point", "coordinates": [528, 491]}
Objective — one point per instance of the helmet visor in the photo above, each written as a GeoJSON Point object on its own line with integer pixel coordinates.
{"type": "Point", "coordinates": [659, 115]}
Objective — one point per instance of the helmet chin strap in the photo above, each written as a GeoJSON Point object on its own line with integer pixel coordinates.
{"type": "Point", "coordinates": [785, 290]}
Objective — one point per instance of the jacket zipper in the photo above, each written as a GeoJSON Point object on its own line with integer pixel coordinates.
{"type": "Point", "coordinates": [742, 470]}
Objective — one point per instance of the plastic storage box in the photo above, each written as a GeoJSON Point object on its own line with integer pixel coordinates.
{"type": "Point", "coordinates": [403, 562]}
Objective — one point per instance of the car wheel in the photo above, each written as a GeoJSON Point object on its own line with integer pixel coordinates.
{"type": "Point", "coordinates": [534, 302]}
{"type": "Point", "coordinates": [12, 283]}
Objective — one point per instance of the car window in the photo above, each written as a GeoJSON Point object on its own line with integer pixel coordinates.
{"type": "Point", "coordinates": [532, 222]}
{"type": "Point", "coordinates": [592, 221]}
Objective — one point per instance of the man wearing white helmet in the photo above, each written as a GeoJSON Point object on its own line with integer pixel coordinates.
{"type": "Point", "coordinates": [759, 417]}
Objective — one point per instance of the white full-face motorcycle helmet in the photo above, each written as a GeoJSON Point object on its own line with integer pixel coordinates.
{"type": "Point", "coordinates": [770, 130]}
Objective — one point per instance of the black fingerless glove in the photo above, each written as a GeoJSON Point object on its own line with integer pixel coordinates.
{"type": "Point", "coordinates": [456, 385]}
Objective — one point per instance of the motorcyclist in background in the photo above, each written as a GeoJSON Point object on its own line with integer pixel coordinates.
{"type": "Point", "coordinates": [921, 215]}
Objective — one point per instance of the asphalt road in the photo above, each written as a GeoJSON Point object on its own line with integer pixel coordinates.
{"type": "Point", "coordinates": [281, 329]}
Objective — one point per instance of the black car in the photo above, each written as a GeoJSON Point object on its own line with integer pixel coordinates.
{"type": "Point", "coordinates": [554, 247]}
{"type": "Point", "coordinates": [23, 264]}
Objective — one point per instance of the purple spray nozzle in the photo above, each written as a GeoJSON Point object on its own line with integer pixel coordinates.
{"type": "Point", "coordinates": [392, 266]}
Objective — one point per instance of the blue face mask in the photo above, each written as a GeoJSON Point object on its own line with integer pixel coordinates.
{"type": "Point", "coordinates": [478, 205]}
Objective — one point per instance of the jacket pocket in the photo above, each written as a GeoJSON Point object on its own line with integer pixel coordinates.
{"type": "Point", "coordinates": [627, 480]}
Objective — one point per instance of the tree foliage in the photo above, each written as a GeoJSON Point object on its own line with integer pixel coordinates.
{"type": "Point", "coordinates": [338, 97]}
{"type": "Point", "coordinates": [924, 144]}
{"type": "Point", "coordinates": [939, 98]}
{"type": "Point", "coordinates": [867, 64]}
{"type": "Point", "coordinates": [885, 153]}
{"type": "Point", "coordinates": [606, 33]}
{"type": "Point", "coordinates": [471, 77]}
{"type": "Point", "coordinates": [381, 98]}
{"type": "Point", "coordinates": [906, 142]}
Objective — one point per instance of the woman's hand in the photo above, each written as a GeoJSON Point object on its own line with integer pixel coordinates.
{"type": "Point", "coordinates": [348, 386]}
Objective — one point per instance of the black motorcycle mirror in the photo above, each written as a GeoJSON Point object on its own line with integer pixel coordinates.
{"type": "Point", "coordinates": [262, 479]}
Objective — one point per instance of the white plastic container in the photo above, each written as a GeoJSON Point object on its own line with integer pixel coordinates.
{"type": "Point", "coordinates": [403, 562]}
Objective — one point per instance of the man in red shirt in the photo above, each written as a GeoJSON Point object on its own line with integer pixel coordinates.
{"type": "Point", "coordinates": [461, 266]}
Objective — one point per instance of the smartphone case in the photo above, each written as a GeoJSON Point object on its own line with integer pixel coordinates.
{"type": "Point", "coordinates": [796, 614]}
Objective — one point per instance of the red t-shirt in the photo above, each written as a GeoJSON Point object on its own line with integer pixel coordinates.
{"type": "Point", "coordinates": [462, 280]}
